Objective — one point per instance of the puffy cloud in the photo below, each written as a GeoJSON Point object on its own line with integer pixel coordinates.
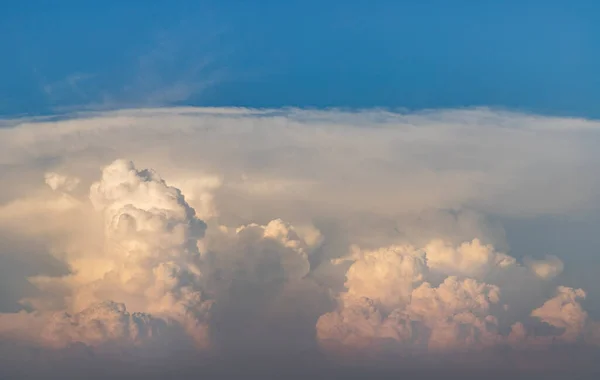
{"type": "Point", "coordinates": [468, 259]}
{"type": "Point", "coordinates": [386, 298]}
{"type": "Point", "coordinates": [154, 257]}
{"type": "Point", "coordinates": [360, 324]}
{"type": "Point", "coordinates": [386, 276]}
{"type": "Point", "coordinates": [149, 259]}
{"type": "Point", "coordinates": [100, 324]}
{"type": "Point", "coordinates": [276, 250]}
{"type": "Point", "coordinates": [455, 315]}
{"type": "Point", "coordinates": [294, 257]}
{"type": "Point", "coordinates": [565, 312]}
{"type": "Point", "coordinates": [104, 322]}
{"type": "Point", "coordinates": [389, 298]}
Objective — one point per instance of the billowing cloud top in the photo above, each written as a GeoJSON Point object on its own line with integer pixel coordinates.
{"type": "Point", "coordinates": [370, 233]}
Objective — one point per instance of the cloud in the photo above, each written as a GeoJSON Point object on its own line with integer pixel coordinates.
{"type": "Point", "coordinates": [415, 163]}
{"type": "Point", "coordinates": [389, 301]}
{"type": "Point", "coordinates": [386, 276]}
{"type": "Point", "coordinates": [450, 317]}
{"type": "Point", "coordinates": [100, 324]}
{"type": "Point", "coordinates": [293, 231]}
{"type": "Point", "coordinates": [153, 257]}
{"type": "Point", "coordinates": [60, 182]}
{"type": "Point", "coordinates": [148, 259]}
{"type": "Point", "coordinates": [564, 311]}
{"type": "Point", "coordinates": [386, 291]}
{"type": "Point", "coordinates": [469, 259]}
{"type": "Point", "coordinates": [547, 268]}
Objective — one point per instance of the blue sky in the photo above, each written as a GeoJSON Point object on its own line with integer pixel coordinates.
{"type": "Point", "coordinates": [538, 56]}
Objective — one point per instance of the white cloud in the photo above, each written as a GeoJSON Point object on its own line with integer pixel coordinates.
{"type": "Point", "coordinates": [454, 316]}
{"type": "Point", "coordinates": [468, 259]}
{"type": "Point", "coordinates": [387, 276]}
{"type": "Point", "coordinates": [388, 299]}
{"type": "Point", "coordinates": [383, 163]}
{"type": "Point", "coordinates": [148, 259]}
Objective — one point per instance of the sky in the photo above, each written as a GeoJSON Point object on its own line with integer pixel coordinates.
{"type": "Point", "coordinates": [530, 55]}
{"type": "Point", "coordinates": [302, 189]}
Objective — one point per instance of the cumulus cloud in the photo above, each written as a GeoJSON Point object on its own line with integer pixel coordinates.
{"type": "Point", "coordinates": [155, 259]}
{"type": "Point", "coordinates": [148, 260]}
{"type": "Point", "coordinates": [278, 248]}
{"type": "Point", "coordinates": [472, 258]}
{"type": "Point", "coordinates": [100, 324]}
{"type": "Point", "coordinates": [386, 276]}
{"type": "Point", "coordinates": [456, 313]}
{"type": "Point", "coordinates": [388, 300]}
{"type": "Point", "coordinates": [453, 316]}
{"type": "Point", "coordinates": [387, 293]}
{"type": "Point", "coordinates": [564, 311]}
{"type": "Point", "coordinates": [377, 231]}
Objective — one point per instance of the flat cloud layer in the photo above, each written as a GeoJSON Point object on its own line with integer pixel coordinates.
{"type": "Point", "coordinates": [243, 233]}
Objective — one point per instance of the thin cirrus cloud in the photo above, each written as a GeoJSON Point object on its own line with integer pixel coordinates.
{"type": "Point", "coordinates": [234, 231]}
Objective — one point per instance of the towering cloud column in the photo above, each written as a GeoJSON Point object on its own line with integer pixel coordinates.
{"type": "Point", "coordinates": [144, 278]}
{"type": "Point", "coordinates": [151, 256]}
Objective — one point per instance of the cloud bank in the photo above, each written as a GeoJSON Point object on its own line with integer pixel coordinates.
{"type": "Point", "coordinates": [236, 233]}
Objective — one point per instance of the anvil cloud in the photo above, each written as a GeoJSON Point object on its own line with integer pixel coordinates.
{"type": "Point", "coordinates": [236, 231]}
